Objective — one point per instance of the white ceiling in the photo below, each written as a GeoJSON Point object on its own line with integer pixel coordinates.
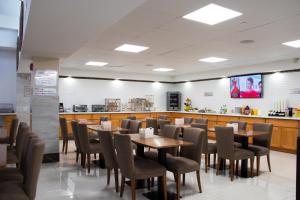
{"type": "Point", "coordinates": [175, 42]}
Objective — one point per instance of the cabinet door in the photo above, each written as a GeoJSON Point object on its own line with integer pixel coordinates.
{"type": "Point", "coordinates": [289, 138]}
{"type": "Point", "coordinates": [276, 134]}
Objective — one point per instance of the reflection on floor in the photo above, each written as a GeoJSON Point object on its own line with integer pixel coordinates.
{"type": "Point", "coordinates": [67, 180]}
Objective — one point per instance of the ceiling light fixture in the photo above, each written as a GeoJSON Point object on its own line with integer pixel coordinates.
{"type": "Point", "coordinates": [162, 69]}
{"type": "Point", "coordinates": [295, 43]}
{"type": "Point", "coordinates": [94, 63]}
{"type": "Point", "coordinates": [131, 48]}
{"type": "Point", "coordinates": [213, 59]}
{"type": "Point", "coordinates": [212, 14]}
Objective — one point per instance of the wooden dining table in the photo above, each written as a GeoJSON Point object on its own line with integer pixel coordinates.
{"type": "Point", "coordinates": [244, 135]}
{"type": "Point", "coordinates": [161, 144]}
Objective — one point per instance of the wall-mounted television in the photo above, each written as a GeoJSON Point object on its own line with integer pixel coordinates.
{"type": "Point", "coordinates": [246, 86]}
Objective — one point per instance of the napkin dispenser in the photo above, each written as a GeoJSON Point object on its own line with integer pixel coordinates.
{"type": "Point", "coordinates": [179, 121]}
{"type": "Point", "coordinates": [106, 125]}
{"type": "Point", "coordinates": [146, 132]}
{"type": "Point", "coordinates": [234, 125]}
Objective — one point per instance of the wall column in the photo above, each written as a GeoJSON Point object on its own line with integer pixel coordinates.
{"type": "Point", "coordinates": [44, 105]}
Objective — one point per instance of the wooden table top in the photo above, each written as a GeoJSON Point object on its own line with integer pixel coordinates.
{"type": "Point", "coordinates": [100, 128]}
{"type": "Point", "coordinates": [244, 133]}
{"type": "Point", "coordinates": [182, 125]}
{"type": "Point", "coordinates": [88, 122]}
{"type": "Point", "coordinates": [3, 152]}
{"type": "Point", "coordinates": [158, 142]}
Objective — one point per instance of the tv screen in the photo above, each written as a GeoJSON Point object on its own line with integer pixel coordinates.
{"type": "Point", "coordinates": [248, 86]}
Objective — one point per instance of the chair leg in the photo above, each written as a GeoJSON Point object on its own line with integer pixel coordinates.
{"type": "Point", "coordinates": [95, 156]}
{"type": "Point", "coordinates": [122, 186]}
{"type": "Point", "coordinates": [208, 159]}
{"type": "Point", "coordinates": [218, 166]}
{"type": "Point", "coordinates": [63, 147]}
{"type": "Point", "coordinates": [251, 166]}
{"type": "Point", "coordinates": [83, 159]}
{"type": "Point", "coordinates": [269, 163]}
{"type": "Point", "coordinates": [116, 171]}
{"type": "Point", "coordinates": [148, 183]}
{"type": "Point", "coordinates": [108, 176]}
{"type": "Point", "coordinates": [133, 193]}
{"type": "Point", "coordinates": [178, 181]}
{"type": "Point", "coordinates": [257, 164]}
{"type": "Point", "coordinates": [66, 147]}
{"type": "Point", "coordinates": [77, 156]}
{"type": "Point", "coordinates": [164, 179]}
{"type": "Point", "coordinates": [89, 162]}
{"type": "Point", "coordinates": [198, 180]}
{"type": "Point", "coordinates": [183, 179]}
{"type": "Point", "coordinates": [237, 167]}
{"type": "Point", "coordinates": [231, 170]}
{"type": "Point", "coordinates": [215, 156]}
{"type": "Point", "coordinates": [152, 182]}
{"type": "Point", "coordinates": [206, 164]}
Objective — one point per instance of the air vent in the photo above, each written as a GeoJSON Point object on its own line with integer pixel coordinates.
{"type": "Point", "coordinates": [115, 66]}
{"type": "Point", "coordinates": [247, 41]}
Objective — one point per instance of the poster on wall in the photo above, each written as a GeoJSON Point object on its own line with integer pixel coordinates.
{"type": "Point", "coordinates": [40, 91]}
{"type": "Point", "coordinates": [46, 78]}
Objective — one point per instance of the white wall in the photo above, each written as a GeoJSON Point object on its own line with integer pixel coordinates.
{"type": "Point", "coordinates": [276, 87]}
{"type": "Point", "coordinates": [8, 76]}
{"type": "Point", "coordinates": [83, 91]}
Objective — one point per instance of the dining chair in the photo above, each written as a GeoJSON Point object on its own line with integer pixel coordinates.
{"type": "Point", "coordinates": [241, 126]}
{"type": "Point", "coordinates": [10, 139]}
{"type": "Point", "coordinates": [125, 124]}
{"type": "Point", "coordinates": [152, 123]}
{"type": "Point", "coordinates": [103, 119]}
{"type": "Point", "coordinates": [110, 157]}
{"type": "Point", "coordinates": [27, 188]}
{"type": "Point", "coordinates": [74, 124]}
{"type": "Point", "coordinates": [227, 150]}
{"type": "Point", "coordinates": [201, 121]}
{"type": "Point", "coordinates": [87, 148]}
{"type": "Point", "coordinates": [261, 144]}
{"type": "Point", "coordinates": [188, 120]}
{"type": "Point", "coordinates": [139, 169]}
{"type": "Point", "coordinates": [65, 134]}
{"type": "Point", "coordinates": [162, 123]}
{"type": "Point", "coordinates": [189, 159]}
{"type": "Point", "coordinates": [131, 117]}
{"type": "Point", "coordinates": [134, 126]}
{"type": "Point", "coordinates": [208, 147]}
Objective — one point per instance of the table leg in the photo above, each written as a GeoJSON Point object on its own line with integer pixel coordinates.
{"type": "Point", "coordinates": [244, 168]}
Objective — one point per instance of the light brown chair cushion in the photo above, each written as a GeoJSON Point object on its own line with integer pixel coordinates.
{"type": "Point", "coordinates": [181, 165]}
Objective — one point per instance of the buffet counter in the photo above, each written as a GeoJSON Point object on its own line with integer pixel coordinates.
{"type": "Point", "coordinates": [284, 136]}
{"type": "Point", "coordinates": [6, 120]}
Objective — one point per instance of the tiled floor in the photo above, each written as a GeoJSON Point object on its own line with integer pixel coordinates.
{"type": "Point", "coordinates": [67, 180]}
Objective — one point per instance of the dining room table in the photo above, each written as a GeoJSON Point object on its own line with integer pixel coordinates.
{"type": "Point", "coordinates": [161, 144]}
{"type": "Point", "coordinates": [244, 135]}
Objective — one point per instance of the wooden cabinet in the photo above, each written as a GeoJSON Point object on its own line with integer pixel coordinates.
{"type": "Point", "coordinates": [276, 137]}
{"type": "Point", "coordinates": [288, 138]}
{"type": "Point", "coordinates": [7, 121]}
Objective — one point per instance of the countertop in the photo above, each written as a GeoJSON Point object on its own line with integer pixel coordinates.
{"type": "Point", "coordinates": [5, 114]}
{"type": "Point", "coordinates": [228, 114]}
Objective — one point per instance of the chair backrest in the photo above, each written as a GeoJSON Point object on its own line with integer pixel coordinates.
{"type": "Point", "coordinates": [135, 126]}
{"type": "Point", "coordinates": [28, 136]}
{"type": "Point", "coordinates": [74, 124]}
{"type": "Point", "coordinates": [13, 131]}
{"type": "Point", "coordinates": [201, 121]}
{"type": "Point", "coordinates": [83, 138]}
{"type": "Point", "coordinates": [103, 119]}
{"type": "Point", "coordinates": [241, 125]}
{"type": "Point", "coordinates": [125, 123]}
{"type": "Point", "coordinates": [108, 149]}
{"type": "Point", "coordinates": [33, 164]}
{"type": "Point", "coordinates": [150, 122]}
{"type": "Point", "coordinates": [205, 136]}
{"type": "Point", "coordinates": [171, 131]}
{"type": "Point", "coordinates": [263, 140]}
{"type": "Point", "coordinates": [225, 142]}
{"type": "Point", "coordinates": [163, 122]}
{"type": "Point", "coordinates": [164, 117]}
{"type": "Point", "coordinates": [23, 128]}
{"type": "Point", "coordinates": [124, 154]}
{"type": "Point", "coordinates": [188, 120]}
{"type": "Point", "coordinates": [63, 127]}
{"type": "Point", "coordinates": [195, 136]}
{"type": "Point", "coordinates": [131, 117]}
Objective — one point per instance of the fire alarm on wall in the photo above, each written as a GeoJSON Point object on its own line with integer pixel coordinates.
{"type": "Point", "coordinates": [31, 66]}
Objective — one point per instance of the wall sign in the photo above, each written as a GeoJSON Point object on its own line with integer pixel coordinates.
{"type": "Point", "coordinates": [45, 78]}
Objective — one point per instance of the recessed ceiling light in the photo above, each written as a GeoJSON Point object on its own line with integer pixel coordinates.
{"type": "Point", "coordinates": [212, 14]}
{"type": "Point", "coordinates": [213, 59]}
{"type": "Point", "coordinates": [93, 63]}
{"type": "Point", "coordinates": [131, 48]}
{"type": "Point", "coordinates": [295, 43]}
{"type": "Point", "coordinates": [162, 69]}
